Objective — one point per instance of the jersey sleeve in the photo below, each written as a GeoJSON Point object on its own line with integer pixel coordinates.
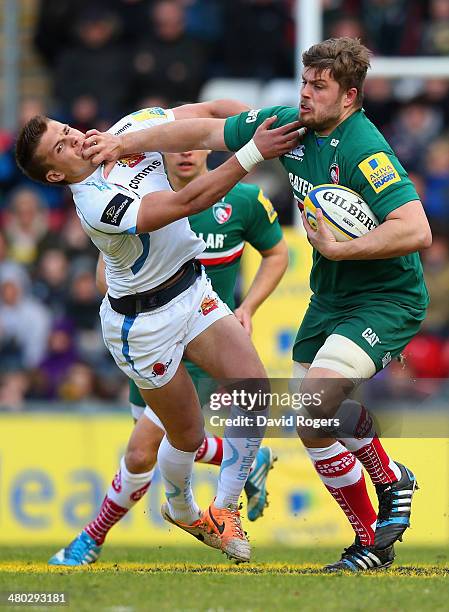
{"type": "Point", "coordinates": [262, 229]}
{"type": "Point", "coordinates": [239, 129]}
{"type": "Point", "coordinates": [382, 182]}
{"type": "Point", "coordinates": [147, 117]}
{"type": "Point", "coordinates": [112, 211]}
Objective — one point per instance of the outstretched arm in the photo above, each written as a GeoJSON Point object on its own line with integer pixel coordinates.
{"type": "Point", "coordinates": [163, 207]}
{"type": "Point", "coordinates": [205, 134]}
{"type": "Point", "coordinates": [173, 137]}
{"type": "Point", "coordinates": [214, 109]}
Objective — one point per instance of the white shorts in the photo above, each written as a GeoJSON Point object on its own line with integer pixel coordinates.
{"type": "Point", "coordinates": [148, 347]}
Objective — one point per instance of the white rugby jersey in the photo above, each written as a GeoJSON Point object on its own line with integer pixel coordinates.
{"type": "Point", "coordinates": [108, 211]}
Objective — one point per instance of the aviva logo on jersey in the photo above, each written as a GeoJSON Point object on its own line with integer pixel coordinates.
{"type": "Point", "coordinates": [149, 113]}
{"type": "Point", "coordinates": [379, 171]}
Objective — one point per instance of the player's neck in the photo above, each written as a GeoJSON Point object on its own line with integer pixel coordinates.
{"type": "Point", "coordinates": [82, 175]}
{"type": "Point", "coordinates": [329, 129]}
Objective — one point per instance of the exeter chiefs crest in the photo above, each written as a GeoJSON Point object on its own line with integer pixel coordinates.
{"type": "Point", "coordinates": [131, 160]}
{"type": "Point", "coordinates": [222, 212]}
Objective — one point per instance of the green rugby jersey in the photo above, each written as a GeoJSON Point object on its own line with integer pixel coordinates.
{"type": "Point", "coordinates": [245, 214]}
{"type": "Point", "coordinates": [357, 156]}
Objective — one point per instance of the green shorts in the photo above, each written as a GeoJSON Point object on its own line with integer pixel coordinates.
{"type": "Point", "coordinates": [381, 329]}
{"type": "Point", "coordinates": [204, 385]}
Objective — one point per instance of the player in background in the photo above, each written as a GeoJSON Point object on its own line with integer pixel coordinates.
{"type": "Point", "coordinates": [244, 214]}
{"type": "Point", "coordinates": [161, 306]}
{"type": "Point", "coordinates": [369, 296]}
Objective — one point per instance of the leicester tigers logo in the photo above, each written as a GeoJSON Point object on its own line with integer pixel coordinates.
{"type": "Point", "coordinates": [334, 172]}
{"type": "Point", "coordinates": [222, 212]}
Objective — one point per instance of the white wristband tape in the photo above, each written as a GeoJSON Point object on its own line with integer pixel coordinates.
{"type": "Point", "coordinates": [249, 155]}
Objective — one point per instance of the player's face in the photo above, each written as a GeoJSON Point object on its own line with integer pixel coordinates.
{"type": "Point", "coordinates": [61, 146]}
{"type": "Point", "coordinates": [323, 104]}
{"type": "Point", "coordinates": [187, 165]}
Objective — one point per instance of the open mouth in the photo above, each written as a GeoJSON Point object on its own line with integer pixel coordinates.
{"type": "Point", "coordinates": [185, 165]}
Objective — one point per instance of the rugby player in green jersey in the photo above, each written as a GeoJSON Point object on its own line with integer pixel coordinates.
{"type": "Point", "coordinates": [369, 297]}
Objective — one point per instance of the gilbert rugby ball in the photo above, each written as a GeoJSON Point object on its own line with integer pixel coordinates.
{"type": "Point", "coordinates": [344, 211]}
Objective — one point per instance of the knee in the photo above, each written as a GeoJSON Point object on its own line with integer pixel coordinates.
{"type": "Point", "coordinates": [323, 396]}
{"type": "Point", "coordinates": [141, 460]}
{"type": "Point", "coordinates": [194, 437]}
{"type": "Point", "coordinates": [308, 426]}
{"type": "Point", "coordinates": [258, 371]}
{"type": "Point", "coordinates": [319, 402]}
{"type": "Point", "coordinates": [252, 368]}
{"type": "Point", "coordinates": [188, 439]}
{"type": "Point", "coordinates": [192, 445]}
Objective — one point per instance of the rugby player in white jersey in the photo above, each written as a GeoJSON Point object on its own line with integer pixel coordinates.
{"type": "Point", "coordinates": [160, 305]}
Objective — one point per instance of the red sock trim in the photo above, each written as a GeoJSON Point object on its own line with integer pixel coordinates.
{"type": "Point", "coordinates": [356, 504]}
{"type": "Point", "coordinates": [217, 458]}
{"type": "Point", "coordinates": [110, 513]}
{"type": "Point", "coordinates": [376, 462]}
{"type": "Point", "coordinates": [202, 450]}
{"type": "Point", "coordinates": [364, 425]}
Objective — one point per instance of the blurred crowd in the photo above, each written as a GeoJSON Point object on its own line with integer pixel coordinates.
{"type": "Point", "coordinates": [106, 58]}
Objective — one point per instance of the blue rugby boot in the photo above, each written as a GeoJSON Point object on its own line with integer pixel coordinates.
{"type": "Point", "coordinates": [395, 506]}
{"type": "Point", "coordinates": [82, 551]}
{"type": "Point", "coordinates": [358, 558]}
{"type": "Point", "coordinates": [256, 485]}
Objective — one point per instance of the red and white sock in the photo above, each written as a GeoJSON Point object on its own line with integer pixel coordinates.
{"type": "Point", "coordinates": [210, 451]}
{"type": "Point", "coordinates": [124, 492]}
{"type": "Point", "coordinates": [379, 465]}
{"type": "Point", "coordinates": [342, 475]}
{"type": "Point", "coordinates": [365, 444]}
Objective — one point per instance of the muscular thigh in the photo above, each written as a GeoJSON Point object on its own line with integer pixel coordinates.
{"type": "Point", "coordinates": [177, 406]}
{"type": "Point", "coordinates": [224, 350]}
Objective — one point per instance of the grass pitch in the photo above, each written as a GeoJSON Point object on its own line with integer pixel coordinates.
{"type": "Point", "coordinates": [195, 578]}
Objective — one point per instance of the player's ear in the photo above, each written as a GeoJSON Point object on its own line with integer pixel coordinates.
{"type": "Point", "coordinates": [350, 96]}
{"type": "Point", "coordinates": [54, 176]}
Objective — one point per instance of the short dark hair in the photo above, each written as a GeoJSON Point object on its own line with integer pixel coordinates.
{"type": "Point", "coordinates": [26, 145]}
{"type": "Point", "coordinates": [346, 59]}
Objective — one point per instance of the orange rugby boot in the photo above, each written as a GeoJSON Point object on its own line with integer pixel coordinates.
{"type": "Point", "coordinates": [198, 529]}
{"type": "Point", "coordinates": [226, 526]}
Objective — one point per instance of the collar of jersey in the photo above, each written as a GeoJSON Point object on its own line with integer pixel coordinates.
{"type": "Point", "coordinates": [344, 124]}
{"type": "Point", "coordinates": [338, 130]}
